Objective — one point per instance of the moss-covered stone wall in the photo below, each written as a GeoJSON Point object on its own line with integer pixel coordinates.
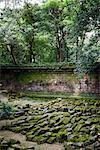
{"type": "Point", "coordinates": [50, 81]}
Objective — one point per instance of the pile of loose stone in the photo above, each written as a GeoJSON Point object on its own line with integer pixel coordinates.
{"type": "Point", "coordinates": [74, 122]}
{"type": "Point", "coordinates": [12, 144]}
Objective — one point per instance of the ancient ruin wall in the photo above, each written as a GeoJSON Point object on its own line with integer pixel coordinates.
{"type": "Point", "coordinates": [50, 80]}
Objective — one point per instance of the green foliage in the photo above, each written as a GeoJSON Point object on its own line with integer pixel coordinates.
{"type": "Point", "coordinates": [5, 110]}
{"type": "Point", "coordinates": [55, 31]}
{"type": "Point", "coordinates": [10, 36]}
{"type": "Point", "coordinates": [89, 55]}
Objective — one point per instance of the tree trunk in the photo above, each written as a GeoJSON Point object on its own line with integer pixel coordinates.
{"type": "Point", "coordinates": [77, 51]}
{"type": "Point", "coordinates": [58, 55]}
{"type": "Point", "coordinates": [30, 53]}
{"type": "Point", "coordinates": [12, 54]}
{"type": "Point", "coordinates": [66, 49]}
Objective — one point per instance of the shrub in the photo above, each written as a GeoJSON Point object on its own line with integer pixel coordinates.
{"type": "Point", "coordinates": [5, 110]}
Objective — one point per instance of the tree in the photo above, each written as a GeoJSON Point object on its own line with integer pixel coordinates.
{"type": "Point", "coordinates": [57, 14]}
{"type": "Point", "coordinates": [30, 19]}
{"type": "Point", "coordinates": [86, 27]}
{"type": "Point", "coordinates": [56, 31]}
{"type": "Point", "coordinates": [11, 38]}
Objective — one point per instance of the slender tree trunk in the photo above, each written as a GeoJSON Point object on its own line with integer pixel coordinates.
{"type": "Point", "coordinates": [58, 45]}
{"type": "Point", "coordinates": [30, 52]}
{"type": "Point", "coordinates": [77, 51]}
{"type": "Point", "coordinates": [58, 55]}
{"type": "Point", "coordinates": [30, 56]}
{"type": "Point", "coordinates": [12, 54]}
{"type": "Point", "coordinates": [66, 49]}
{"type": "Point", "coordinates": [34, 58]}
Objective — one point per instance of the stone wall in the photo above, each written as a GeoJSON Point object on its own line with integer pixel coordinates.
{"type": "Point", "coordinates": [64, 81]}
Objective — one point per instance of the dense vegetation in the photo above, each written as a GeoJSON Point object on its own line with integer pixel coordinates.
{"type": "Point", "coordinates": [43, 105]}
{"type": "Point", "coordinates": [55, 31]}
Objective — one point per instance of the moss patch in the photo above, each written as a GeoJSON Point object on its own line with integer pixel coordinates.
{"type": "Point", "coordinates": [60, 120]}
{"type": "Point", "coordinates": [47, 77]}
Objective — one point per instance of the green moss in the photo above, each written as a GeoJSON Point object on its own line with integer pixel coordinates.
{"type": "Point", "coordinates": [79, 108]}
{"type": "Point", "coordinates": [84, 130]}
{"type": "Point", "coordinates": [32, 76]}
{"type": "Point", "coordinates": [47, 77]}
{"type": "Point", "coordinates": [83, 138]}
{"type": "Point", "coordinates": [65, 120]}
{"type": "Point", "coordinates": [95, 120]}
{"type": "Point", "coordinates": [55, 129]}
{"type": "Point", "coordinates": [43, 124]}
{"type": "Point", "coordinates": [43, 96]}
{"type": "Point", "coordinates": [66, 114]}
{"type": "Point", "coordinates": [51, 140]}
{"type": "Point", "coordinates": [61, 136]}
{"type": "Point", "coordinates": [39, 139]}
{"type": "Point", "coordinates": [57, 126]}
{"type": "Point", "coordinates": [35, 119]}
{"type": "Point", "coordinates": [30, 137]}
{"type": "Point", "coordinates": [78, 127]}
{"type": "Point", "coordinates": [98, 127]}
{"type": "Point", "coordinates": [16, 129]}
{"type": "Point", "coordinates": [29, 133]}
{"type": "Point", "coordinates": [79, 138]}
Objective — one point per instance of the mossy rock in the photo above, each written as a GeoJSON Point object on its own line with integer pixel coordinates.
{"type": "Point", "coordinates": [83, 117]}
{"type": "Point", "coordinates": [55, 129]}
{"type": "Point", "coordinates": [35, 129]}
{"type": "Point", "coordinates": [13, 141]}
{"type": "Point", "coordinates": [37, 117]}
{"type": "Point", "coordinates": [98, 127]}
{"type": "Point", "coordinates": [61, 136]}
{"type": "Point", "coordinates": [43, 124]}
{"type": "Point", "coordinates": [40, 139]}
{"type": "Point", "coordinates": [79, 138]}
{"type": "Point", "coordinates": [73, 120]}
{"type": "Point", "coordinates": [58, 126]}
{"type": "Point", "coordinates": [16, 129]}
{"type": "Point", "coordinates": [30, 137]}
{"type": "Point", "coordinates": [52, 115]}
{"type": "Point", "coordinates": [72, 137]}
{"type": "Point", "coordinates": [16, 147]}
{"type": "Point", "coordinates": [58, 123]}
{"type": "Point", "coordinates": [51, 140]}
{"type": "Point", "coordinates": [42, 131]}
{"type": "Point", "coordinates": [78, 103]}
{"type": "Point", "coordinates": [94, 120]}
{"type": "Point", "coordinates": [51, 123]}
{"type": "Point", "coordinates": [65, 120]}
{"type": "Point", "coordinates": [41, 120]}
{"type": "Point", "coordinates": [85, 130]}
{"type": "Point", "coordinates": [29, 133]}
{"type": "Point", "coordinates": [78, 119]}
{"type": "Point", "coordinates": [81, 121]}
{"type": "Point", "coordinates": [78, 127]}
{"type": "Point", "coordinates": [83, 138]}
{"type": "Point", "coordinates": [56, 119]}
{"type": "Point", "coordinates": [79, 108]}
{"type": "Point", "coordinates": [48, 134]}
{"type": "Point", "coordinates": [66, 114]}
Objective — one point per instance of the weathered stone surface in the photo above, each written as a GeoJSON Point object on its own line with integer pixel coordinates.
{"type": "Point", "coordinates": [16, 147]}
{"type": "Point", "coordinates": [31, 148]}
{"type": "Point", "coordinates": [19, 113]}
{"type": "Point", "coordinates": [60, 121]}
